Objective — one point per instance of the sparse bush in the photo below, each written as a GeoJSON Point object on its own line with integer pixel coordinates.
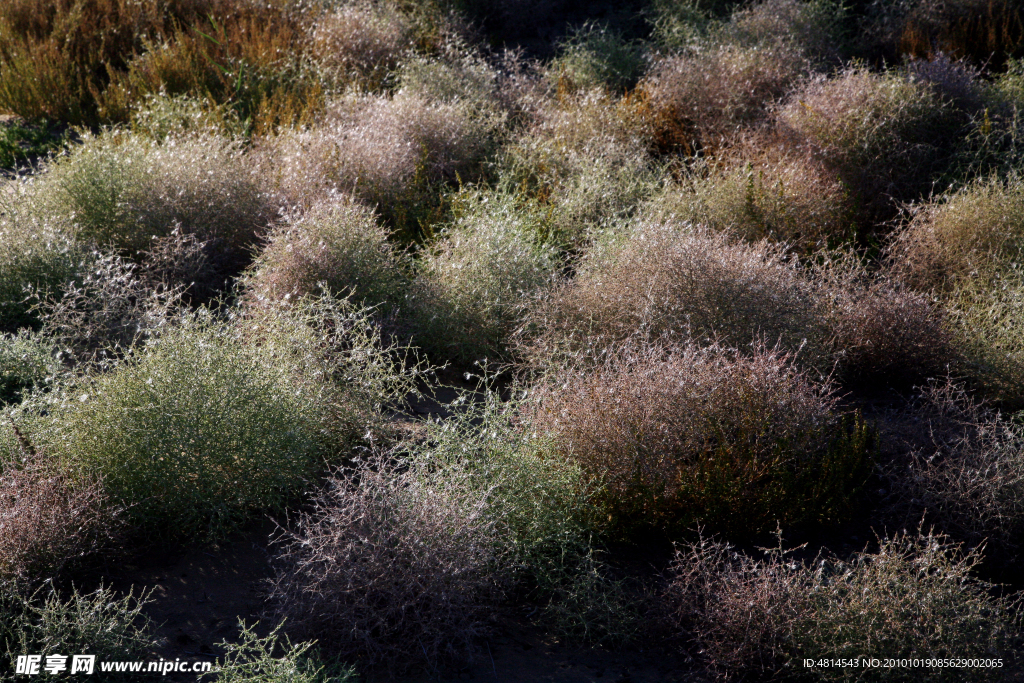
{"type": "Point", "coordinates": [914, 597]}
{"type": "Point", "coordinates": [49, 520]}
{"type": "Point", "coordinates": [583, 160]}
{"type": "Point", "coordinates": [469, 292]}
{"type": "Point", "coordinates": [37, 258]}
{"type": "Point", "coordinates": [702, 100]}
{"type": "Point", "coordinates": [254, 660]}
{"type": "Point", "coordinates": [597, 56]}
{"type": "Point", "coordinates": [967, 478]}
{"type": "Point", "coordinates": [97, 623]}
{"type": "Point", "coordinates": [814, 27]}
{"type": "Point", "coordinates": [690, 435]}
{"type": "Point", "coordinates": [213, 421]}
{"type": "Point", "coordinates": [27, 360]}
{"type": "Point", "coordinates": [122, 190]}
{"type": "Point", "coordinates": [880, 132]}
{"type": "Point", "coordinates": [974, 233]}
{"type": "Point", "coordinates": [421, 556]}
{"type": "Point", "coordinates": [389, 152]}
{"type": "Point", "coordinates": [106, 312]}
{"type": "Point", "coordinates": [360, 43]}
{"type": "Point", "coordinates": [162, 116]}
{"type": "Point", "coordinates": [664, 278]}
{"type": "Point", "coordinates": [337, 244]}
{"type": "Point", "coordinates": [793, 200]}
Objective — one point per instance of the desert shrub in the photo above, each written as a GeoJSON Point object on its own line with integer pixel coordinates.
{"type": "Point", "coordinates": [27, 360]}
{"type": "Point", "coordinates": [337, 244]}
{"type": "Point", "coordinates": [469, 290]}
{"type": "Point", "coordinates": [666, 278]}
{"type": "Point", "coordinates": [23, 145]}
{"type": "Point", "coordinates": [459, 75]}
{"type": "Point", "coordinates": [814, 28]}
{"type": "Point", "coordinates": [584, 159]}
{"type": "Point", "coordinates": [702, 99]}
{"type": "Point", "coordinates": [966, 476]}
{"type": "Point", "coordinates": [50, 521]}
{"type": "Point", "coordinates": [255, 660]}
{"type": "Point", "coordinates": [883, 332]}
{"type": "Point", "coordinates": [106, 311]}
{"type": "Point", "coordinates": [98, 623]}
{"type": "Point", "coordinates": [213, 421]}
{"type": "Point", "coordinates": [985, 322]}
{"type": "Point", "coordinates": [389, 152]}
{"type": "Point", "coordinates": [879, 132]}
{"type": "Point", "coordinates": [161, 116]}
{"type": "Point", "coordinates": [976, 232]}
{"type": "Point", "coordinates": [360, 43]}
{"type": "Point", "coordinates": [915, 596]}
{"type": "Point", "coordinates": [122, 189]}
{"type": "Point", "coordinates": [421, 556]}
{"type": "Point", "coordinates": [36, 259]}
{"type": "Point", "coordinates": [597, 56]}
{"type": "Point", "coordinates": [706, 435]}
{"type": "Point", "coordinates": [790, 199]}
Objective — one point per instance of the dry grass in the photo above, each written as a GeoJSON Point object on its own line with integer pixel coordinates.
{"type": "Point", "coordinates": [336, 246]}
{"type": "Point", "coordinates": [915, 596]}
{"type": "Point", "coordinates": [47, 520]}
{"type": "Point", "coordinates": [665, 278]}
{"type": "Point", "coordinates": [791, 199]}
{"type": "Point", "coordinates": [390, 568]}
{"type": "Point", "coordinates": [392, 153]}
{"type": "Point", "coordinates": [974, 233]}
{"type": "Point", "coordinates": [706, 435]}
{"type": "Point", "coordinates": [702, 100]}
{"type": "Point", "coordinates": [880, 132]}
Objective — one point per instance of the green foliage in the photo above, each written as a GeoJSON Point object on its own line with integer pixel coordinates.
{"type": "Point", "coordinates": [472, 282]}
{"type": "Point", "coordinates": [255, 660]}
{"type": "Point", "coordinates": [26, 143]}
{"type": "Point", "coordinates": [97, 623]}
{"type": "Point", "coordinates": [598, 56]}
{"type": "Point", "coordinates": [26, 362]}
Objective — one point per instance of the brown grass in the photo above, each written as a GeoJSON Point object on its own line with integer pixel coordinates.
{"type": "Point", "coordinates": [389, 568]}
{"type": "Point", "coordinates": [47, 520]}
{"type": "Point", "coordinates": [689, 435]}
{"type": "Point", "coordinates": [665, 278]}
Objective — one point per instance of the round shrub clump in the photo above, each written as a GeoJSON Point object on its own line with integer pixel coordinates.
{"type": "Point", "coordinates": [690, 435]}
{"type": "Point", "coordinates": [337, 245]}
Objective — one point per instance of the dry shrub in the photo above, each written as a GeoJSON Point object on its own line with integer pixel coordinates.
{"type": "Point", "coordinates": [879, 132]}
{"type": "Point", "coordinates": [702, 99]}
{"type": "Point", "coordinates": [472, 283]}
{"type": "Point", "coordinates": [813, 28]}
{"type": "Point", "coordinates": [661, 278]}
{"type": "Point", "coordinates": [584, 159]}
{"type": "Point", "coordinates": [360, 43]}
{"type": "Point", "coordinates": [596, 56]}
{"type": "Point", "coordinates": [884, 333]}
{"type": "Point", "coordinates": [965, 472]}
{"type": "Point", "coordinates": [706, 435]}
{"type": "Point", "coordinates": [786, 198]}
{"type": "Point", "coordinates": [47, 520]}
{"type": "Point", "coordinates": [390, 568]}
{"type": "Point", "coordinates": [389, 152]}
{"type": "Point", "coordinates": [976, 232]}
{"type": "Point", "coordinates": [915, 596]}
{"type": "Point", "coordinates": [122, 190]}
{"type": "Point", "coordinates": [337, 246]}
